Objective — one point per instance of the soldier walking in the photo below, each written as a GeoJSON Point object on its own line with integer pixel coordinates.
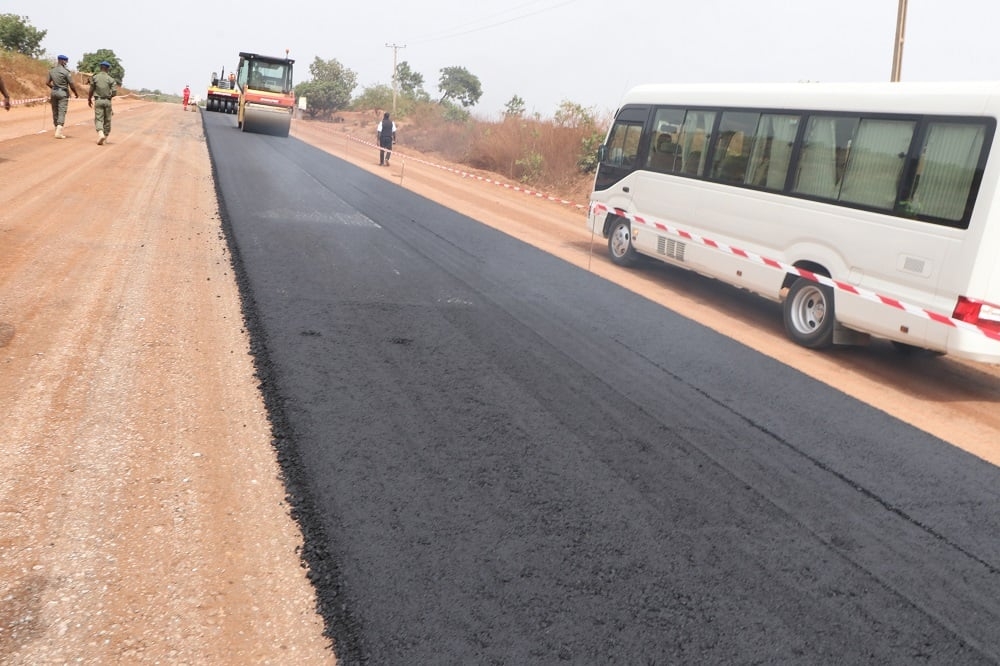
{"type": "Point", "coordinates": [61, 82]}
{"type": "Point", "coordinates": [6, 95]}
{"type": "Point", "coordinates": [102, 88]}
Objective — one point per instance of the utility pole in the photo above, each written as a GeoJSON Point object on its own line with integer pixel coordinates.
{"type": "Point", "coordinates": [897, 52]}
{"type": "Point", "coordinates": [395, 82]}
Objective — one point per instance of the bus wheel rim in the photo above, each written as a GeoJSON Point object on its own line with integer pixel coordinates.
{"type": "Point", "coordinates": [621, 240]}
{"type": "Point", "coordinates": [809, 309]}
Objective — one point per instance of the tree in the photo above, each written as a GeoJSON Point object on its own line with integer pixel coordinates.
{"type": "Point", "coordinates": [458, 84]}
{"type": "Point", "coordinates": [571, 114]}
{"type": "Point", "coordinates": [330, 88]}
{"type": "Point", "coordinates": [574, 116]}
{"type": "Point", "coordinates": [411, 84]}
{"type": "Point", "coordinates": [514, 108]}
{"type": "Point", "coordinates": [378, 96]}
{"type": "Point", "coordinates": [91, 63]}
{"type": "Point", "coordinates": [332, 71]}
{"type": "Point", "coordinates": [17, 34]}
{"type": "Point", "coordinates": [323, 98]}
{"type": "Point", "coordinates": [453, 113]}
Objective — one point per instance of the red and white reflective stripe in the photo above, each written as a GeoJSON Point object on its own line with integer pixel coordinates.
{"type": "Point", "coordinates": [599, 208]}
{"type": "Point", "coordinates": [465, 174]}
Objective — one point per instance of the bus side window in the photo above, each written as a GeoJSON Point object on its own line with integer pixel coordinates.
{"type": "Point", "coordinates": [733, 146]}
{"type": "Point", "coordinates": [875, 164]}
{"type": "Point", "coordinates": [695, 136]}
{"type": "Point", "coordinates": [946, 173]}
{"type": "Point", "coordinates": [664, 151]}
{"type": "Point", "coordinates": [772, 151]}
{"type": "Point", "coordinates": [825, 150]}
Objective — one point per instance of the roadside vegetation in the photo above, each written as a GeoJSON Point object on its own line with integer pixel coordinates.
{"type": "Point", "coordinates": [555, 154]}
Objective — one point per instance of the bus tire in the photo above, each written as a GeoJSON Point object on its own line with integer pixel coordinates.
{"type": "Point", "coordinates": [620, 243]}
{"type": "Point", "coordinates": [809, 314]}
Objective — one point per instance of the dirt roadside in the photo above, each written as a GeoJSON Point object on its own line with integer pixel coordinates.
{"type": "Point", "coordinates": [141, 515]}
{"type": "Point", "coordinates": [142, 519]}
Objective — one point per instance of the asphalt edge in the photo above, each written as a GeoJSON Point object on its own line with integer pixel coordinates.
{"type": "Point", "coordinates": [322, 569]}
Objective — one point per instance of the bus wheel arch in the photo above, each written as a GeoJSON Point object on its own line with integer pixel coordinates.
{"type": "Point", "coordinates": [619, 233]}
{"type": "Point", "coordinates": [808, 309]}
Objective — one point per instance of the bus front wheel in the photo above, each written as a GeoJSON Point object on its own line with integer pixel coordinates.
{"type": "Point", "coordinates": [620, 244]}
{"type": "Point", "coordinates": [809, 314]}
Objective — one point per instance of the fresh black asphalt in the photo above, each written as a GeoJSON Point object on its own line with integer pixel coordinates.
{"type": "Point", "coordinates": [499, 458]}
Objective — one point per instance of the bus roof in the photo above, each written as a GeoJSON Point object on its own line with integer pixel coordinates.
{"type": "Point", "coordinates": [953, 97]}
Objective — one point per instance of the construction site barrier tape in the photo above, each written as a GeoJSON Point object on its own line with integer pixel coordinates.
{"type": "Point", "coordinates": [599, 208]}
{"type": "Point", "coordinates": [466, 174]}
{"type": "Point", "coordinates": [36, 100]}
{"type": "Point", "coordinates": [82, 98]}
{"type": "Point", "coordinates": [33, 100]}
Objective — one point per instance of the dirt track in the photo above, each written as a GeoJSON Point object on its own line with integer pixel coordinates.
{"type": "Point", "coordinates": [141, 518]}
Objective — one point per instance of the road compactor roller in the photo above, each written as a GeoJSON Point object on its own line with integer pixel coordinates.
{"type": "Point", "coordinates": [267, 99]}
{"type": "Point", "coordinates": [223, 95]}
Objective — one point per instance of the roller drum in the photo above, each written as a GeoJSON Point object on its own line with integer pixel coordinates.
{"type": "Point", "coordinates": [267, 119]}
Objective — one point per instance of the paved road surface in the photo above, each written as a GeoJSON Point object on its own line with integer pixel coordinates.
{"type": "Point", "coordinates": [500, 458]}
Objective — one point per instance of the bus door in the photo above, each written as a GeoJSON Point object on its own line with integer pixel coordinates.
{"type": "Point", "coordinates": [622, 154]}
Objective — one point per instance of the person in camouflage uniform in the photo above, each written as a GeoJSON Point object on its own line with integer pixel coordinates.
{"type": "Point", "coordinates": [103, 88]}
{"type": "Point", "coordinates": [61, 82]}
{"type": "Point", "coordinates": [6, 95]}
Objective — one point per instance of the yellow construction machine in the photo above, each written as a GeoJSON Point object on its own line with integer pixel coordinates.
{"type": "Point", "coordinates": [266, 94]}
{"type": "Point", "coordinates": [222, 94]}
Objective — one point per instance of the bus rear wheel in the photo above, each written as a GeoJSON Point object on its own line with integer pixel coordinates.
{"type": "Point", "coordinates": [620, 244]}
{"type": "Point", "coordinates": [809, 314]}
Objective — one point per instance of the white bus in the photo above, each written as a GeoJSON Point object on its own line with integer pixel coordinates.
{"type": "Point", "coordinates": [867, 209]}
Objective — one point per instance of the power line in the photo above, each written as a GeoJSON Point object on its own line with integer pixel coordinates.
{"type": "Point", "coordinates": [488, 17]}
{"type": "Point", "coordinates": [450, 34]}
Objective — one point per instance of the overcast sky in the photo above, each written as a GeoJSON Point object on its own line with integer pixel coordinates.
{"type": "Point", "coordinates": [546, 51]}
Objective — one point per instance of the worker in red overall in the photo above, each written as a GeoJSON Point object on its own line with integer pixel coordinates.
{"type": "Point", "coordinates": [187, 96]}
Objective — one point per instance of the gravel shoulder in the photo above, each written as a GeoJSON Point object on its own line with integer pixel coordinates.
{"type": "Point", "coordinates": [142, 518]}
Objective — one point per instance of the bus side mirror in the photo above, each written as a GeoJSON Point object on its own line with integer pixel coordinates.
{"type": "Point", "coordinates": [602, 152]}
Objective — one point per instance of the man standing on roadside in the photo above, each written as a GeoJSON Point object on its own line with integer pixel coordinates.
{"type": "Point", "coordinates": [386, 133]}
{"type": "Point", "coordinates": [103, 87]}
{"type": "Point", "coordinates": [187, 96]}
{"type": "Point", "coordinates": [61, 82]}
{"type": "Point", "coordinates": [6, 95]}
